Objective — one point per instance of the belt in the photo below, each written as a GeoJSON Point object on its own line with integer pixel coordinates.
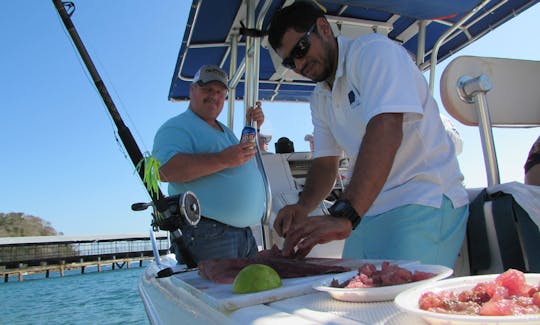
{"type": "Point", "coordinates": [221, 223]}
{"type": "Point", "coordinates": [213, 220]}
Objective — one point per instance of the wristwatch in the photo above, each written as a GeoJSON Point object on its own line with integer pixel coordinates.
{"type": "Point", "coordinates": [342, 208]}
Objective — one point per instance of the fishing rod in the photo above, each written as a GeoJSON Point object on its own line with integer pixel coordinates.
{"type": "Point", "coordinates": [169, 213]}
{"type": "Point", "coordinates": [123, 132]}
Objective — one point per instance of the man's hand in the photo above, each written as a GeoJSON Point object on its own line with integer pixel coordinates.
{"type": "Point", "coordinates": [255, 114]}
{"type": "Point", "coordinates": [308, 232]}
{"type": "Point", "coordinates": [238, 154]}
{"type": "Point", "coordinates": [287, 217]}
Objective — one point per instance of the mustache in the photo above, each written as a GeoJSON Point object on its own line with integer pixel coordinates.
{"type": "Point", "coordinates": [210, 100]}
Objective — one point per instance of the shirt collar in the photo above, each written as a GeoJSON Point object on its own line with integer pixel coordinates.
{"type": "Point", "coordinates": [195, 115]}
{"type": "Point", "coordinates": [343, 48]}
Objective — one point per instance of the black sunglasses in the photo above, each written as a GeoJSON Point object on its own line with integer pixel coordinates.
{"type": "Point", "coordinates": [299, 50]}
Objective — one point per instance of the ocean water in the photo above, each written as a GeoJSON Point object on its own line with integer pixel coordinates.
{"type": "Point", "coordinates": [107, 297]}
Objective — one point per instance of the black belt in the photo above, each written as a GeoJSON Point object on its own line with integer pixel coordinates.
{"type": "Point", "coordinates": [213, 220]}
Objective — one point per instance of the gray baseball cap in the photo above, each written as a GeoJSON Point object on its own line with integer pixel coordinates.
{"type": "Point", "coordinates": [209, 72]}
{"type": "Point", "coordinates": [265, 137]}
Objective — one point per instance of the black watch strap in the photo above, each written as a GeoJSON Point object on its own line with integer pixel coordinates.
{"type": "Point", "coordinates": [342, 208]}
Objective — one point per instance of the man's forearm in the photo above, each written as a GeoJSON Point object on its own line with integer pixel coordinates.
{"type": "Point", "coordinates": [187, 167]}
{"type": "Point", "coordinates": [319, 182]}
{"type": "Point", "coordinates": [375, 159]}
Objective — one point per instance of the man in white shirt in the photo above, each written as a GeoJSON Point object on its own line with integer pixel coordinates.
{"type": "Point", "coordinates": [373, 103]}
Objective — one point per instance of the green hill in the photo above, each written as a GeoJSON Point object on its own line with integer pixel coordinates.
{"type": "Point", "coordinates": [18, 224]}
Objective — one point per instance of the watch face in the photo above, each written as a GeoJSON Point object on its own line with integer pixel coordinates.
{"type": "Point", "coordinates": [340, 208]}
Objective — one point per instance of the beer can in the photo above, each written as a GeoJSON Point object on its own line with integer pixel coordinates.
{"type": "Point", "coordinates": [249, 134]}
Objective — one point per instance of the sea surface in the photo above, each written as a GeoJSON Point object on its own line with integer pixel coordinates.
{"type": "Point", "coordinates": [107, 297]}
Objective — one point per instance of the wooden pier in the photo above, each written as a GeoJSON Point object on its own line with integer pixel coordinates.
{"type": "Point", "coordinates": [22, 256]}
{"type": "Point", "coordinates": [47, 270]}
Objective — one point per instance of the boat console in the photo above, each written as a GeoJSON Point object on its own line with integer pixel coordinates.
{"type": "Point", "coordinates": [287, 173]}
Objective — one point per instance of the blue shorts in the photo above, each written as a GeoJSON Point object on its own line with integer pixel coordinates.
{"type": "Point", "coordinates": [411, 232]}
{"type": "Point", "coordinates": [213, 239]}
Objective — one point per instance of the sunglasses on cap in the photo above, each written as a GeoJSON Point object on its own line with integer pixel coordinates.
{"type": "Point", "coordinates": [299, 50]}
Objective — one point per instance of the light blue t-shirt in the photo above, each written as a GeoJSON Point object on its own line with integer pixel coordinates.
{"type": "Point", "coordinates": [234, 196]}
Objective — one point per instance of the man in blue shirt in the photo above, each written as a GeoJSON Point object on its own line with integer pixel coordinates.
{"type": "Point", "coordinates": [200, 154]}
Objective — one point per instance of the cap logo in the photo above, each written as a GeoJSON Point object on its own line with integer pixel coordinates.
{"type": "Point", "coordinates": [208, 73]}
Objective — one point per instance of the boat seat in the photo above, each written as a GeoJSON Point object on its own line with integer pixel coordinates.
{"type": "Point", "coordinates": [492, 92]}
{"type": "Point", "coordinates": [487, 93]}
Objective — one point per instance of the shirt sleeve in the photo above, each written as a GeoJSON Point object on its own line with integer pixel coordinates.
{"type": "Point", "coordinates": [170, 141]}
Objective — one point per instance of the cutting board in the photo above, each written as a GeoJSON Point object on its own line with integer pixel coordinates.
{"type": "Point", "coordinates": [221, 297]}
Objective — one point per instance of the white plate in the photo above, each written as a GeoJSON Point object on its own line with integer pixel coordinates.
{"type": "Point", "coordinates": [408, 301]}
{"type": "Point", "coordinates": [378, 293]}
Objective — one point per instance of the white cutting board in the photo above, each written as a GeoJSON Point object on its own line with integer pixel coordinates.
{"type": "Point", "coordinates": [221, 297]}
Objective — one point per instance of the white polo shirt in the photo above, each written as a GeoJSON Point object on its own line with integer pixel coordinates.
{"type": "Point", "coordinates": [374, 76]}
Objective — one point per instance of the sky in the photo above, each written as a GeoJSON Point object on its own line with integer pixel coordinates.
{"type": "Point", "coordinates": [61, 160]}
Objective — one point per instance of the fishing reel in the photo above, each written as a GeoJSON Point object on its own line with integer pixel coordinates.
{"type": "Point", "coordinates": [173, 212]}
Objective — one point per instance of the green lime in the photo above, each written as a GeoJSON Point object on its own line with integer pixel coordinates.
{"type": "Point", "coordinates": [255, 278]}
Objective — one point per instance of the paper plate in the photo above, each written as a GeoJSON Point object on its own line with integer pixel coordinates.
{"type": "Point", "coordinates": [378, 293]}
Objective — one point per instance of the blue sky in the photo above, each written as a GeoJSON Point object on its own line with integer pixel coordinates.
{"type": "Point", "coordinates": [61, 159]}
